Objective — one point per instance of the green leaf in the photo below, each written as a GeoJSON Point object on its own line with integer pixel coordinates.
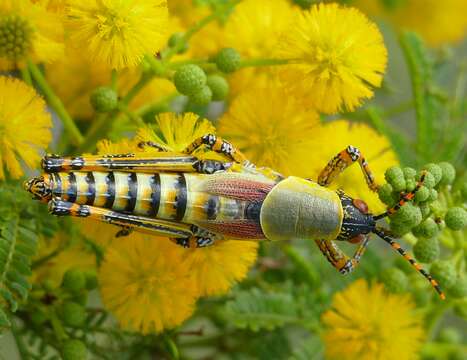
{"type": "Point", "coordinates": [426, 103]}
{"type": "Point", "coordinates": [256, 309]}
{"type": "Point", "coordinates": [4, 322]}
{"type": "Point", "coordinates": [310, 349]}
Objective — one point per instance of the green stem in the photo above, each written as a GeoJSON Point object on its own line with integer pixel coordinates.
{"type": "Point", "coordinates": [98, 130]}
{"type": "Point", "coordinates": [135, 118]}
{"type": "Point", "coordinates": [21, 346]}
{"type": "Point", "coordinates": [143, 110]}
{"type": "Point", "coordinates": [263, 62]}
{"type": "Point", "coordinates": [435, 315]}
{"type": "Point", "coordinates": [142, 82]}
{"type": "Point", "coordinates": [26, 75]}
{"type": "Point", "coordinates": [114, 80]}
{"type": "Point", "coordinates": [56, 104]}
{"type": "Point", "coordinates": [168, 53]}
{"type": "Point", "coordinates": [57, 326]}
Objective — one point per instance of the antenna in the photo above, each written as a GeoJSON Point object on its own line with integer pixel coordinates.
{"type": "Point", "coordinates": [382, 233]}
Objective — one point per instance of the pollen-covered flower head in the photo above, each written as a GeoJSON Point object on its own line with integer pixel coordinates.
{"type": "Point", "coordinates": [24, 126]}
{"type": "Point", "coordinates": [272, 129]}
{"type": "Point", "coordinates": [145, 284]}
{"type": "Point", "coordinates": [118, 33]}
{"type": "Point", "coordinates": [366, 323]}
{"type": "Point", "coordinates": [28, 31]}
{"type": "Point", "coordinates": [216, 268]}
{"type": "Point", "coordinates": [336, 56]}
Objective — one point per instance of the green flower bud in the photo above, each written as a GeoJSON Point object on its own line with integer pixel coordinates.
{"type": "Point", "coordinates": [444, 272]}
{"type": "Point", "coordinates": [73, 314]}
{"type": "Point", "coordinates": [449, 173]}
{"type": "Point", "coordinates": [104, 99]}
{"type": "Point", "coordinates": [409, 173]}
{"type": "Point", "coordinates": [394, 280]}
{"type": "Point", "coordinates": [425, 210]}
{"type": "Point", "coordinates": [399, 229]}
{"type": "Point", "coordinates": [433, 195]}
{"type": "Point", "coordinates": [91, 279]}
{"type": "Point", "coordinates": [426, 250]}
{"type": "Point", "coordinates": [459, 289]}
{"type": "Point", "coordinates": [228, 60]}
{"type": "Point", "coordinates": [456, 218]}
{"type": "Point", "coordinates": [219, 87]}
{"type": "Point", "coordinates": [74, 350]}
{"type": "Point", "coordinates": [385, 194]}
{"type": "Point", "coordinates": [435, 170]}
{"type": "Point", "coordinates": [408, 214]}
{"type": "Point", "coordinates": [441, 224]}
{"type": "Point", "coordinates": [422, 194]}
{"type": "Point", "coordinates": [189, 79]}
{"type": "Point", "coordinates": [437, 208]}
{"type": "Point", "coordinates": [427, 229]}
{"type": "Point", "coordinates": [460, 309]}
{"type": "Point", "coordinates": [420, 292]}
{"type": "Point", "coordinates": [81, 298]}
{"type": "Point", "coordinates": [410, 184]}
{"type": "Point", "coordinates": [395, 177]}
{"type": "Point", "coordinates": [38, 317]}
{"type": "Point", "coordinates": [464, 191]}
{"type": "Point", "coordinates": [429, 180]}
{"type": "Point", "coordinates": [74, 280]}
{"type": "Point", "coordinates": [49, 285]}
{"type": "Point", "coordinates": [202, 97]}
{"type": "Point", "coordinates": [449, 335]}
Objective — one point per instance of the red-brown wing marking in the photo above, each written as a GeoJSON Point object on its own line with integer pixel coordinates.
{"type": "Point", "coordinates": [237, 186]}
{"type": "Point", "coordinates": [235, 229]}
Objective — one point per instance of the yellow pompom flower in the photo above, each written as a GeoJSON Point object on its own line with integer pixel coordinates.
{"type": "Point", "coordinates": [24, 126]}
{"type": "Point", "coordinates": [216, 268]}
{"type": "Point", "coordinates": [272, 130]}
{"type": "Point", "coordinates": [177, 131]}
{"type": "Point", "coordinates": [28, 31]}
{"type": "Point", "coordinates": [144, 283]}
{"type": "Point", "coordinates": [333, 137]}
{"type": "Point", "coordinates": [336, 56]}
{"type": "Point", "coordinates": [118, 33]}
{"type": "Point", "coordinates": [254, 29]}
{"type": "Point", "coordinates": [438, 22]}
{"type": "Point", "coordinates": [366, 323]}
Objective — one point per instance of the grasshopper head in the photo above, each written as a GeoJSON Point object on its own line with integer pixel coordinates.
{"type": "Point", "coordinates": [39, 188]}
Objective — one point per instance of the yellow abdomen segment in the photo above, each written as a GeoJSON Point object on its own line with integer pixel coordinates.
{"type": "Point", "coordinates": [300, 209]}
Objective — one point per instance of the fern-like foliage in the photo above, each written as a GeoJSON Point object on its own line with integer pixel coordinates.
{"type": "Point", "coordinates": [256, 309]}
{"type": "Point", "coordinates": [18, 242]}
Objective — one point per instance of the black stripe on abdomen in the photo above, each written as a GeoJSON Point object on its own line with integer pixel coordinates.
{"type": "Point", "coordinates": [57, 188]}
{"type": "Point", "coordinates": [155, 194]}
{"type": "Point", "coordinates": [181, 197]}
{"type": "Point", "coordinates": [91, 193]}
{"type": "Point", "coordinates": [72, 187]}
{"type": "Point", "coordinates": [212, 207]}
{"type": "Point", "coordinates": [132, 192]}
{"type": "Point", "coordinates": [110, 181]}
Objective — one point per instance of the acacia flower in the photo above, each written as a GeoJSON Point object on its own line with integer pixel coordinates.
{"type": "Point", "coordinates": [254, 29]}
{"type": "Point", "coordinates": [144, 283]}
{"type": "Point", "coordinates": [273, 129]}
{"type": "Point", "coordinates": [28, 30]}
{"type": "Point", "coordinates": [24, 126]}
{"type": "Point", "coordinates": [336, 56]}
{"type": "Point", "coordinates": [332, 137]}
{"type": "Point", "coordinates": [366, 323]}
{"type": "Point", "coordinates": [438, 22]}
{"type": "Point", "coordinates": [118, 33]}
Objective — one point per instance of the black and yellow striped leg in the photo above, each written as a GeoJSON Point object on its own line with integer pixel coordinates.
{"type": "Point", "coordinates": [341, 161]}
{"type": "Point", "coordinates": [338, 259]}
{"type": "Point", "coordinates": [124, 162]}
{"type": "Point", "coordinates": [195, 242]}
{"type": "Point", "coordinates": [152, 144]}
{"type": "Point", "coordinates": [144, 224]}
{"type": "Point", "coordinates": [218, 145]}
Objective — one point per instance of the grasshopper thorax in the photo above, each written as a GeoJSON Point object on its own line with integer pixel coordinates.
{"type": "Point", "coordinates": [356, 222]}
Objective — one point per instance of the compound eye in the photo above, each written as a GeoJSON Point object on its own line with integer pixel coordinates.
{"type": "Point", "coordinates": [357, 239]}
{"type": "Point", "coordinates": [361, 205]}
